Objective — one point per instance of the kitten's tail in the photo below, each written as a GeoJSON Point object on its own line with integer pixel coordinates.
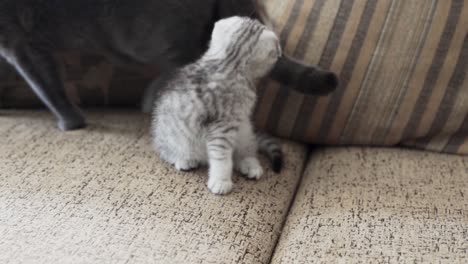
{"type": "Point", "coordinates": [272, 149]}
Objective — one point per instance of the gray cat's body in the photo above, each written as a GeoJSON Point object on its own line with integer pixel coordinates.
{"type": "Point", "coordinates": [164, 33]}
{"type": "Point", "coordinates": [203, 114]}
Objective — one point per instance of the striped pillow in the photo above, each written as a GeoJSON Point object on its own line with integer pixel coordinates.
{"type": "Point", "coordinates": [402, 65]}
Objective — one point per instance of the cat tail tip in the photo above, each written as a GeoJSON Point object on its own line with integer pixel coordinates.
{"type": "Point", "coordinates": [272, 149]}
{"type": "Point", "coordinates": [277, 163]}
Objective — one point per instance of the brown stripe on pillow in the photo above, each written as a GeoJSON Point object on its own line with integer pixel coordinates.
{"type": "Point", "coordinates": [289, 26]}
{"type": "Point", "coordinates": [457, 118]}
{"type": "Point", "coordinates": [337, 64]}
{"type": "Point", "coordinates": [442, 127]}
{"type": "Point", "coordinates": [427, 23]}
{"type": "Point", "coordinates": [426, 20]}
{"type": "Point", "coordinates": [458, 141]}
{"type": "Point", "coordinates": [453, 106]}
{"type": "Point", "coordinates": [328, 55]}
{"type": "Point", "coordinates": [309, 9]}
{"type": "Point", "coordinates": [343, 99]}
{"type": "Point", "coordinates": [454, 123]}
{"type": "Point", "coordinates": [374, 69]}
{"type": "Point", "coordinates": [455, 58]}
{"type": "Point", "coordinates": [389, 75]}
{"type": "Point", "coordinates": [310, 48]}
{"type": "Point", "coordinates": [416, 83]}
{"type": "Point", "coordinates": [316, 46]}
{"type": "Point", "coordinates": [283, 121]}
{"type": "Point", "coordinates": [268, 91]}
{"type": "Point", "coordinates": [434, 72]}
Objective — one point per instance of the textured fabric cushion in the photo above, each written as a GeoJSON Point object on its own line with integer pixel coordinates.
{"type": "Point", "coordinates": [402, 64]}
{"type": "Point", "coordinates": [378, 206]}
{"type": "Point", "coordinates": [403, 69]}
{"type": "Point", "coordinates": [101, 195]}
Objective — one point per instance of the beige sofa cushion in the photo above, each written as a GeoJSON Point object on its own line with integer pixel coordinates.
{"type": "Point", "coordinates": [101, 195]}
{"type": "Point", "coordinates": [379, 206]}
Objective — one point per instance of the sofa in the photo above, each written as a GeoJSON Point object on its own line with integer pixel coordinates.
{"type": "Point", "coordinates": [374, 173]}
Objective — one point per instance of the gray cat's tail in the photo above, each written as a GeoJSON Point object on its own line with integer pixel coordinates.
{"type": "Point", "coordinates": [272, 149]}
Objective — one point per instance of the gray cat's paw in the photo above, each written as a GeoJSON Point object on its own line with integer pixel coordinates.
{"type": "Point", "coordinates": [71, 123]}
{"type": "Point", "coordinates": [186, 165]}
{"type": "Point", "coordinates": [251, 168]}
{"type": "Point", "coordinates": [220, 186]}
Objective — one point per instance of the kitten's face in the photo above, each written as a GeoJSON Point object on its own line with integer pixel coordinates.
{"type": "Point", "coordinates": [253, 42]}
{"type": "Point", "coordinates": [265, 54]}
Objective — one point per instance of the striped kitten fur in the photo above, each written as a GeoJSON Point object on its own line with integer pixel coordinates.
{"type": "Point", "coordinates": [203, 113]}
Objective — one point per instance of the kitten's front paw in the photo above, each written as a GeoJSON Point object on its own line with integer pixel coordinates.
{"type": "Point", "coordinates": [220, 186]}
{"type": "Point", "coordinates": [251, 168]}
{"type": "Point", "coordinates": [317, 82]}
{"type": "Point", "coordinates": [186, 165]}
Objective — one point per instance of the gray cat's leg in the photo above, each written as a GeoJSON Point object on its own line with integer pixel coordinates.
{"type": "Point", "coordinates": [306, 79]}
{"type": "Point", "coordinates": [220, 146]}
{"type": "Point", "coordinates": [147, 103]}
{"type": "Point", "coordinates": [40, 71]}
{"type": "Point", "coordinates": [245, 157]}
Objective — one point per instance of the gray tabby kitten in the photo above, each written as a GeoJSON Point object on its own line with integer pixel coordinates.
{"type": "Point", "coordinates": [203, 114]}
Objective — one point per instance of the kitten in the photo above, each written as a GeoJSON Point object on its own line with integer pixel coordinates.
{"type": "Point", "coordinates": [163, 33]}
{"type": "Point", "coordinates": [203, 113]}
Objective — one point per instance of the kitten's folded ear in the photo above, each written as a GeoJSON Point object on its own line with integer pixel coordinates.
{"type": "Point", "coordinates": [308, 80]}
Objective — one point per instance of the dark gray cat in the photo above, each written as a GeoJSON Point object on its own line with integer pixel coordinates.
{"type": "Point", "coordinates": [166, 33]}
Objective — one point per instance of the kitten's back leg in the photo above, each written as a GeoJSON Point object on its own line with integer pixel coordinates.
{"type": "Point", "coordinates": [40, 71]}
{"type": "Point", "coordinates": [149, 96]}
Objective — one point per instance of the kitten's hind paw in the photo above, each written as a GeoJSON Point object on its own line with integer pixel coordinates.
{"type": "Point", "coordinates": [220, 186]}
{"type": "Point", "coordinates": [251, 168]}
{"type": "Point", "coordinates": [186, 165]}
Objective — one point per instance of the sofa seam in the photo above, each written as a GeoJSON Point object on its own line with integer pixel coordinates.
{"type": "Point", "coordinates": [291, 203]}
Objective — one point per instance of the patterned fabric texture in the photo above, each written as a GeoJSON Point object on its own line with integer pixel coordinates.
{"type": "Point", "coordinates": [371, 205]}
{"type": "Point", "coordinates": [103, 196]}
{"type": "Point", "coordinates": [402, 66]}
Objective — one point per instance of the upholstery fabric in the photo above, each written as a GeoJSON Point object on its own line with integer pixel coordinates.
{"type": "Point", "coordinates": [402, 64]}
{"type": "Point", "coordinates": [101, 195]}
{"type": "Point", "coordinates": [370, 205]}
